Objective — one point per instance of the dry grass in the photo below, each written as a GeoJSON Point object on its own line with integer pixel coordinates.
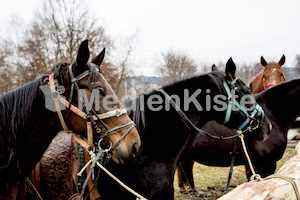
{"type": "Point", "coordinates": [211, 181]}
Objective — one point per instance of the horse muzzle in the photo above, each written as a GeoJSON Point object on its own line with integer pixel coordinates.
{"type": "Point", "coordinates": [122, 154]}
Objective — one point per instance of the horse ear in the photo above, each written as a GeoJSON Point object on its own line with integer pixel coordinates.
{"type": "Point", "coordinates": [230, 69]}
{"type": "Point", "coordinates": [82, 56]}
{"type": "Point", "coordinates": [282, 60]}
{"type": "Point", "coordinates": [98, 59]}
{"type": "Point", "coordinates": [263, 62]}
{"type": "Point", "coordinates": [214, 68]}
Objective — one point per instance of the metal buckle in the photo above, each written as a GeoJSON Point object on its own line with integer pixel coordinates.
{"type": "Point", "coordinates": [118, 112]}
{"type": "Point", "coordinates": [107, 149]}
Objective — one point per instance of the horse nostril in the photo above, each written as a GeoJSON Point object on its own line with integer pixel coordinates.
{"type": "Point", "coordinates": [135, 149]}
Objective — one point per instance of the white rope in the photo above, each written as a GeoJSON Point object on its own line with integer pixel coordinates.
{"type": "Point", "coordinates": [121, 183]}
{"type": "Point", "coordinates": [95, 157]}
{"type": "Point", "coordinates": [257, 177]}
{"type": "Point", "coordinates": [254, 175]}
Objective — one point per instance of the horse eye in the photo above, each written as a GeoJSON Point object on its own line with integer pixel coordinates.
{"type": "Point", "coordinates": [281, 74]}
{"type": "Point", "coordinates": [264, 76]}
{"type": "Point", "coordinates": [101, 92]}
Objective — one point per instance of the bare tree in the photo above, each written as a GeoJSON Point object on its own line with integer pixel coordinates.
{"type": "Point", "coordinates": [65, 23]}
{"type": "Point", "coordinates": [123, 61]}
{"type": "Point", "coordinates": [54, 35]}
{"type": "Point", "coordinates": [176, 66]}
{"type": "Point", "coordinates": [6, 70]}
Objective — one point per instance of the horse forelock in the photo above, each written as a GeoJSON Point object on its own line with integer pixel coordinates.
{"type": "Point", "coordinates": [61, 72]}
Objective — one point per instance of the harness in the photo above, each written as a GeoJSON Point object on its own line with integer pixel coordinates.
{"type": "Point", "coordinates": [249, 117]}
{"type": "Point", "coordinates": [90, 116]}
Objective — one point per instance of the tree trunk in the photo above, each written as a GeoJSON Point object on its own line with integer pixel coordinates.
{"type": "Point", "coordinates": [273, 188]}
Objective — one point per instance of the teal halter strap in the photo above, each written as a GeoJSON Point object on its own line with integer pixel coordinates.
{"type": "Point", "coordinates": [229, 108]}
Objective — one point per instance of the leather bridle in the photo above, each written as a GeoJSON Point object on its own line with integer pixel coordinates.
{"type": "Point", "coordinates": [90, 116]}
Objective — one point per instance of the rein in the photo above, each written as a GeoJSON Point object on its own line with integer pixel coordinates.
{"type": "Point", "coordinates": [190, 124]}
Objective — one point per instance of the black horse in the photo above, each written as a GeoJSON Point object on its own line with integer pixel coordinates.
{"type": "Point", "coordinates": [166, 134]}
{"type": "Point", "coordinates": [27, 124]}
{"type": "Point", "coordinates": [281, 106]}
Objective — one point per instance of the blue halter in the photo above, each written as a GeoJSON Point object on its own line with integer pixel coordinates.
{"type": "Point", "coordinates": [229, 109]}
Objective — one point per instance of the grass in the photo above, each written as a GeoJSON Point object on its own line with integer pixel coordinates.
{"type": "Point", "coordinates": [216, 177]}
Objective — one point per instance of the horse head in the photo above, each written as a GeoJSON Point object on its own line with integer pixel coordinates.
{"type": "Point", "coordinates": [270, 75]}
{"type": "Point", "coordinates": [90, 107]}
{"type": "Point", "coordinates": [242, 112]}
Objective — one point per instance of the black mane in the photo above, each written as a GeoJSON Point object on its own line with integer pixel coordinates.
{"type": "Point", "coordinates": [15, 112]}
{"type": "Point", "coordinates": [137, 113]}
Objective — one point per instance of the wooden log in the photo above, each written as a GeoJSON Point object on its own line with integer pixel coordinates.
{"type": "Point", "coordinates": [274, 188]}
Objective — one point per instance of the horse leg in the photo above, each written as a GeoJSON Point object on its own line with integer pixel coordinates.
{"type": "Point", "coordinates": [188, 169]}
{"type": "Point", "coordinates": [180, 178]}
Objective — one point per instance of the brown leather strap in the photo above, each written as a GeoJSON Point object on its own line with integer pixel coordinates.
{"type": "Point", "coordinates": [89, 133]}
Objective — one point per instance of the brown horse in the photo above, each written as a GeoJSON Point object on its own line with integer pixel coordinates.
{"type": "Point", "coordinates": [28, 122]}
{"type": "Point", "coordinates": [270, 75]}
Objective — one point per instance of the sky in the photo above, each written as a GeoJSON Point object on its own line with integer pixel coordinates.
{"type": "Point", "coordinates": [208, 31]}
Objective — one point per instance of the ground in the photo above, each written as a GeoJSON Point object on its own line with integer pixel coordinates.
{"type": "Point", "coordinates": [211, 181]}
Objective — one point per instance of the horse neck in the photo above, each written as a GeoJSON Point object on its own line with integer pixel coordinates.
{"type": "Point", "coordinates": [257, 83]}
{"type": "Point", "coordinates": [163, 125]}
{"type": "Point", "coordinates": [28, 124]}
{"type": "Point", "coordinates": [200, 111]}
{"type": "Point", "coordinates": [282, 102]}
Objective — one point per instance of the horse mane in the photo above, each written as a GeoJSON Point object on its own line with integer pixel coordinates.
{"type": "Point", "coordinates": [136, 111]}
{"type": "Point", "coordinates": [15, 112]}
